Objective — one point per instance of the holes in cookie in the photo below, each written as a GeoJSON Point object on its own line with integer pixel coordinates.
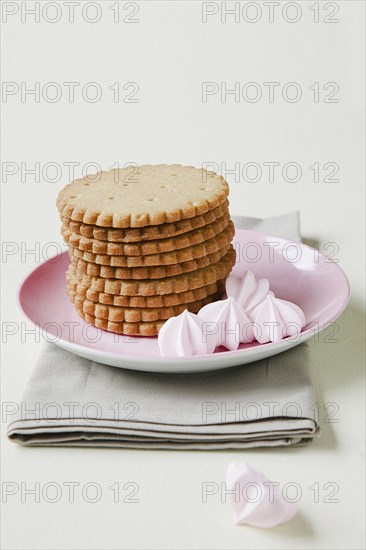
{"type": "Point", "coordinates": [111, 198]}
{"type": "Point", "coordinates": [163, 186]}
{"type": "Point", "coordinates": [203, 188]}
{"type": "Point", "coordinates": [151, 200]}
{"type": "Point", "coordinates": [86, 183]}
{"type": "Point", "coordinates": [125, 184]}
{"type": "Point", "coordinates": [73, 197]}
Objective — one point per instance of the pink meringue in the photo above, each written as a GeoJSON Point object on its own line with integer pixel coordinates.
{"type": "Point", "coordinates": [275, 319]}
{"type": "Point", "coordinates": [247, 291]}
{"type": "Point", "coordinates": [256, 500]}
{"type": "Point", "coordinates": [226, 324]}
{"type": "Point", "coordinates": [182, 336]}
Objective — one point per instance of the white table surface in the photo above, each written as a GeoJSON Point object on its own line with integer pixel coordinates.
{"type": "Point", "coordinates": [169, 53]}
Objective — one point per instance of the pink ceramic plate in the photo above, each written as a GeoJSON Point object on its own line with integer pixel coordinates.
{"type": "Point", "coordinates": [295, 271]}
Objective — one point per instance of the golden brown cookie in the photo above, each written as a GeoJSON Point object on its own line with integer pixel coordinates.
{"type": "Point", "coordinates": [119, 314]}
{"type": "Point", "coordinates": [180, 283]}
{"type": "Point", "coordinates": [155, 194]}
{"type": "Point", "coordinates": [219, 242]}
{"type": "Point", "coordinates": [160, 246]}
{"type": "Point", "coordinates": [129, 329]}
{"type": "Point", "coordinates": [147, 233]}
{"type": "Point", "coordinates": [164, 300]}
{"type": "Point", "coordinates": [148, 272]}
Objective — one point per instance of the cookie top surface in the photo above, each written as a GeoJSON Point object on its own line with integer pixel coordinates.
{"type": "Point", "coordinates": [143, 195]}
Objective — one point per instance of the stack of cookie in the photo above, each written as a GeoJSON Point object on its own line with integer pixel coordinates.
{"type": "Point", "coordinates": [145, 244]}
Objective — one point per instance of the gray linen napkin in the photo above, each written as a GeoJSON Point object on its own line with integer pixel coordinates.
{"type": "Point", "coordinates": [72, 401]}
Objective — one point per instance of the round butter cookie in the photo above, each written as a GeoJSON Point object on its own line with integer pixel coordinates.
{"type": "Point", "coordinates": [164, 300]}
{"type": "Point", "coordinates": [153, 195]}
{"type": "Point", "coordinates": [129, 329]}
{"type": "Point", "coordinates": [147, 272]}
{"type": "Point", "coordinates": [169, 285]}
{"type": "Point", "coordinates": [159, 246]}
{"type": "Point", "coordinates": [147, 233]}
{"type": "Point", "coordinates": [219, 242]}
{"type": "Point", "coordinates": [119, 314]}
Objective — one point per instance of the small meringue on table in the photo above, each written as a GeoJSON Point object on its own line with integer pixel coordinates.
{"type": "Point", "coordinates": [257, 501]}
{"type": "Point", "coordinates": [226, 324]}
{"type": "Point", "coordinates": [182, 336]}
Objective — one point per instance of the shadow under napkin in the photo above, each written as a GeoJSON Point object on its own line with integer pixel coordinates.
{"type": "Point", "coordinates": [72, 401]}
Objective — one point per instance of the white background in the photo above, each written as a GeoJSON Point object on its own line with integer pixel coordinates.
{"type": "Point", "coordinates": [169, 52]}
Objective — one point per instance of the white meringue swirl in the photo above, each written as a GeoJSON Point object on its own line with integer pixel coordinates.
{"type": "Point", "coordinates": [182, 336]}
{"type": "Point", "coordinates": [275, 319]}
{"type": "Point", "coordinates": [250, 312]}
{"type": "Point", "coordinates": [256, 500]}
{"type": "Point", "coordinates": [247, 291]}
{"type": "Point", "coordinates": [226, 324]}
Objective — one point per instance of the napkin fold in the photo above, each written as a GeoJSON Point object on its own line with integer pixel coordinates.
{"type": "Point", "coordinates": [72, 401]}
